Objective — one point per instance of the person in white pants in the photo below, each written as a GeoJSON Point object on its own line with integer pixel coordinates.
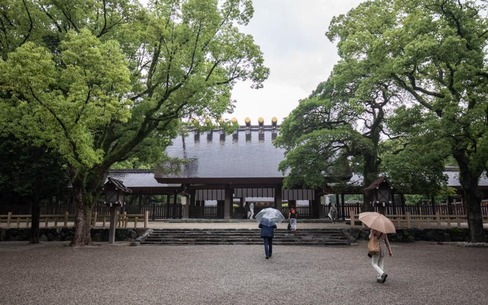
{"type": "Point", "coordinates": [333, 213]}
{"type": "Point", "coordinates": [251, 210]}
{"type": "Point", "coordinates": [377, 261]}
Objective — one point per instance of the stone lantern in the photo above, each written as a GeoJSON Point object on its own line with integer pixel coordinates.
{"type": "Point", "coordinates": [115, 192]}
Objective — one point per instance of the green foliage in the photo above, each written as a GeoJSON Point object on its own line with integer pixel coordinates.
{"type": "Point", "coordinates": [311, 148]}
{"type": "Point", "coordinates": [101, 82]}
{"type": "Point", "coordinates": [422, 174]}
{"type": "Point", "coordinates": [407, 97]}
{"type": "Point", "coordinates": [334, 132]}
{"type": "Point", "coordinates": [433, 56]}
{"type": "Point", "coordinates": [28, 171]}
{"type": "Point", "coordinates": [65, 107]}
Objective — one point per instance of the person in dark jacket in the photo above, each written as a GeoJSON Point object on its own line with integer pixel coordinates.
{"type": "Point", "coordinates": [267, 233]}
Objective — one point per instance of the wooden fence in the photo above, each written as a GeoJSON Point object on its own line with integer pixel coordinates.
{"type": "Point", "coordinates": [124, 220]}
{"type": "Point", "coordinates": [454, 209]}
{"type": "Point", "coordinates": [409, 221]}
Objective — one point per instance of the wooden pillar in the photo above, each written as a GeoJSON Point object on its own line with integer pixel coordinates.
{"type": "Point", "coordinates": [229, 195]}
{"type": "Point", "coordinates": [113, 224]}
{"type": "Point", "coordinates": [341, 205]}
{"type": "Point", "coordinates": [175, 203]}
{"type": "Point", "coordinates": [243, 208]}
{"type": "Point", "coordinates": [322, 206]}
{"type": "Point", "coordinates": [278, 197]}
{"type": "Point", "coordinates": [185, 207]}
{"type": "Point", "coordinates": [432, 200]}
{"type": "Point", "coordinates": [139, 200]}
{"type": "Point", "coordinates": [449, 205]}
{"type": "Point", "coordinates": [393, 205]}
{"type": "Point", "coordinates": [168, 203]}
{"type": "Point", "coordinates": [192, 204]}
{"type": "Point", "coordinates": [316, 205]}
{"type": "Point", "coordinates": [403, 203]}
{"type": "Point", "coordinates": [343, 202]}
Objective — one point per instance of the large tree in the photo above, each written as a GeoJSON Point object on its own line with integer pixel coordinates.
{"type": "Point", "coordinates": [336, 130]}
{"type": "Point", "coordinates": [102, 81]}
{"type": "Point", "coordinates": [434, 51]}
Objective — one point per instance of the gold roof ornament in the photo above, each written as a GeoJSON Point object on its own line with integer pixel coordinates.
{"type": "Point", "coordinates": [247, 121]}
{"type": "Point", "coordinates": [274, 121]}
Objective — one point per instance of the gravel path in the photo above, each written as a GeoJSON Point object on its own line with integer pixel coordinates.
{"type": "Point", "coordinates": [419, 273]}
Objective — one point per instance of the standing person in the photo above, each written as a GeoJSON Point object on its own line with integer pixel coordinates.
{"type": "Point", "coordinates": [267, 234]}
{"type": "Point", "coordinates": [246, 206]}
{"type": "Point", "coordinates": [251, 210]}
{"type": "Point", "coordinates": [377, 260]}
{"type": "Point", "coordinates": [333, 213]}
{"type": "Point", "coordinates": [292, 217]}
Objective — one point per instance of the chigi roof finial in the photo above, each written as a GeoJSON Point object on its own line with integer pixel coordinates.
{"type": "Point", "coordinates": [247, 121]}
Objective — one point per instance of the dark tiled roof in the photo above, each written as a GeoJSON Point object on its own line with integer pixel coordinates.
{"type": "Point", "coordinates": [376, 184]}
{"type": "Point", "coordinates": [118, 185]}
{"type": "Point", "coordinates": [140, 181]}
{"type": "Point", "coordinates": [248, 153]}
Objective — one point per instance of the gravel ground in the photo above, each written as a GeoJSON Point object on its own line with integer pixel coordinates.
{"type": "Point", "coordinates": [419, 273]}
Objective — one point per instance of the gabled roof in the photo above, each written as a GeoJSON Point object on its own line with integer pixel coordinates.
{"type": "Point", "coordinates": [377, 183]}
{"type": "Point", "coordinates": [117, 184]}
{"type": "Point", "coordinates": [141, 181]}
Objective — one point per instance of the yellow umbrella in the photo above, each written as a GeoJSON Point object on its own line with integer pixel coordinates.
{"type": "Point", "coordinates": [377, 221]}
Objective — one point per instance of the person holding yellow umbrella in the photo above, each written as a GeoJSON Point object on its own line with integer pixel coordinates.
{"type": "Point", "coordinates": [378, 245]}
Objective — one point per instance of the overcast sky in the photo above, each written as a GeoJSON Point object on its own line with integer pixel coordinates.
{"type": "Point", "coordinates": [291, 34]}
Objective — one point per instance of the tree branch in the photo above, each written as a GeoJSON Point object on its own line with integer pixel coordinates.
{"type": "Point", "coordinates": [60, 122]}
{"type": "Point", "coordinates": [31, 23]}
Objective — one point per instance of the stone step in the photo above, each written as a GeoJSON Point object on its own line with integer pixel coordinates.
{"type": "Point", "coordinates": [243, 237]}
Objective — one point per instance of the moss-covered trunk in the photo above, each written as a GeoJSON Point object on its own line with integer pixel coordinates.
{"type": "Point", "coordinates": [473, 204]}
{"type": "Point", "coordinates": [83, 218]}
{"type": "Point", "coordinates": [468, 178]}
{"type": "Point", "coordinates": [86, 190]}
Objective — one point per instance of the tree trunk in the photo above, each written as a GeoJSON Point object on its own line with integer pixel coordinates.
{"type": "Point", "coordinates": [475, 218]}
{"type": "Point", "coordinates": [367, 202]}
{"type": "Point", "coordinates": [83, 218]}
{"type": "Point", "coordinates": [36, 215]}
{"type": "Point", "coordinates": [370, 174]}
{"type": "Point", "coordinates": [469, 184]}
{"type": "Point", "coordinates": [87, 187]}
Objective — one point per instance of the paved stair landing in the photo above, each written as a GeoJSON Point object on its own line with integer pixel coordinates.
{"type": "Point", "coordinates": [310, 237]}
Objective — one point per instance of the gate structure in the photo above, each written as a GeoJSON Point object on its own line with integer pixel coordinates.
{"type": "Point", "coordinates": [220, 173]}
{"type": "Point", "coordinates": [225, 171]}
